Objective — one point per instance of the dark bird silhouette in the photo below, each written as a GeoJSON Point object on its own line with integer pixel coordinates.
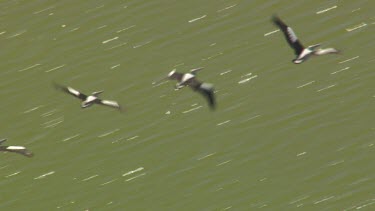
{"type": "Point", "coordinates": [302, 53]}
{"type": "Point", "coordinates": [88, 100]}
{"type": "Point", "coordinates": [16, 149]}
{"type": "Point", "coordinates": [189, 79]}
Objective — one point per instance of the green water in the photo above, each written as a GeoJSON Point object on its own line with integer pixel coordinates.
{"type": "Point", "coordinates": [284, 136]}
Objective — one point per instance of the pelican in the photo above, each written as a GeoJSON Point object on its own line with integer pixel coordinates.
{"type": "Point", "coordinates": [16, 149]}
{"type": "Point", "coordinates": [189, 79]}
{"type": "Point", "coordinates": [302, 53]}
{"type": "Point", "coordinates": [88, 100]}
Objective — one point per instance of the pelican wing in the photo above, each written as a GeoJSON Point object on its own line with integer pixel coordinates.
{"type": "Point", "coordinates": [176, 76]}
{"type": "Point", "coordinates": [195, 70]}
{"type": "Point", "coordinates": [17, 149]}
{"type": "Point", "coordinates": [289, 34]}
{"type": "Point", "coordinates": [326, 51]}
{"type": "Point", "coordinates": [71, 91]}
{"type": "Point", "coordinates": [207, 91]}
{"type": "Point", "coordinates": [110, 103]}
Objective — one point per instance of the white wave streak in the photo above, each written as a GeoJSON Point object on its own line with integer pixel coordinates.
{"type": "Point", "coordinates": [306, 84]}
{"type": "Point", "coordinates": [71, 137]}
{"type": "Point", "coordinates": [272, 32]}
{"type": "Point", "coordinates": [326, 10]}
{"type": "Point", "coordinates": [108, 133]}
{"type": "Point", "coordinates": [362, 180]}
{"type": "Point", "coordinates": [247, 79]}
{"type": "Point", "coordinates": [251, 118]}
{"type": "Point", "coordinates": [116, 46]}
{"type": "Point", "coordinates": [89, 178]}
{"type": "Point", "coordinates": [49, 113]}
{"type": "Point", "coordinates": [226, 8]}
{"type": "Point", "coordinates": [179, 64]}
{"type": "Point", "coordinates": [299, 199]}
{"type": "Point", "coordinates": [108, 182]}
{"type": "Point", "coordinates": [356, 10]}
{"type": "Point", "coordinates": [159, 84]}
{"type": "Point", "coordinates": [300, 154]}
{"type": "Point", "coordinates": [334, 163]}
{"type": "Point", "coordinates": [356, 57]}
{"type": "Point", "coordinates": [75, 29]}
{"type": "Point", "coordinates": [114, 66]}
{"type": "Point", "coordinates": [132, 138]}
{"type": "Point", "coordinates": [213, 56]}
{"type": "Point", "coordinates": [94, 9]}
{"type": "Point", "coordinates": [124, 29]}
{"type": "Point", "coordinates": [55, 68]}
{"type": "Point", "coordinates": [27, 68]}
{"type": "Point", "coordinates": [324, 199]}
{"type": "Point", "coordinates": [43, 10]}
{"type": "Point", "coordinates": [14, 174]}
{"type": "Point", "coordinates": [223, 163]}
{"type": "Point", "coordinates": [44, 175]}
{"type": "Point", "coordinates": [142, 44]}
{"type": "Point", "coordinates": [109, 40]}
{"type": "Point", "coordinates": [222, 123]}
{"type": "Point", "coordinates": [346, 68]}
{"type": "Point", "coordinates": [135, 177]}
{"type": "Point", "coordinates": [54, 122]}
{"type": "Point", "coordinates": [101, 27]}
{"type": "Point", "coordinates": [225, 72]}
{"type": "Point", "coordinates": [2, 167]}
{"type": "Point", "coordinates": [356, 27]}
{"type": "Point", "coordinates": [193, 109]}
{"type": "Point", "coordinates": [196, 19]}
{"type": "Point", "coordinates": [133, 171]}
{"type": "Point", "coordinates": [32, 109]}
{"type": "Point", "coordinates": [17, 34]}
{"type": "Point", "coordinates": [206, 156]}
{"type": "Point", "coordinates": [372, 201]}
{"type": "Point", "coordinates": [325, 88]}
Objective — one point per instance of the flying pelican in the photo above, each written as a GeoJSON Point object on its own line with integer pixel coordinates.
{"type": "Point", "coordinates": [88, 100]}
{"type": "Point", "coordinates": [16, 149]}
{"type": "Point", "coordinates": [301, 52]}
{"type": "Point", "coordinates": [189, 79]}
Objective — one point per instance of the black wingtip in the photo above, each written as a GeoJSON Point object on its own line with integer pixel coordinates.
{"type": "Point", "coordinates": [207, 91]}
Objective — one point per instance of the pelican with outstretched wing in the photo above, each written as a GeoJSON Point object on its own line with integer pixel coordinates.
{"type": "Point", "coordinates": [88, 100]}
{"type": "Point", "coordinates": [189, 79]}
{"type": "Point", "coordinates": [16, 149]}
{"type": "Point", "coordinates": [302, 53]}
